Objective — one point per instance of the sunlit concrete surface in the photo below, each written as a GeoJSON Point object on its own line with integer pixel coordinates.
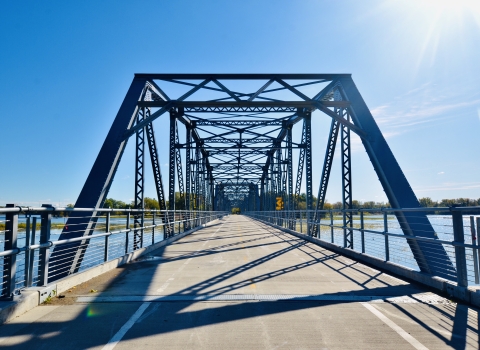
{"type": "Point", "coordinates": [242, 268]}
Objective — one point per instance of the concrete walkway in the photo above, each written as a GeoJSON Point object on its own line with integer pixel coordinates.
{"type": "Point", "coordinates": [240, 284]}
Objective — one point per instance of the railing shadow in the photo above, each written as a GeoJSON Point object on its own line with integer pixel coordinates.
{"type": "Point", "coordinates": [93, 325]}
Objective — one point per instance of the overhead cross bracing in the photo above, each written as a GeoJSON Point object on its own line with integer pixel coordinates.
{"type": "Point", "coordinates": [243, 129]}
{"type": "Point", "coordinates": [232, 143]}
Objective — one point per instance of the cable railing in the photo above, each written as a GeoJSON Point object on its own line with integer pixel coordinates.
{"type": "Point", "coordinates": [380, 233]}
{"type": "Point", "coordinates": [32, 253]}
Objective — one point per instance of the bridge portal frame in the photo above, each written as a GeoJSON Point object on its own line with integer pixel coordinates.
{"type": "Point", "coordinates": [145, 94]}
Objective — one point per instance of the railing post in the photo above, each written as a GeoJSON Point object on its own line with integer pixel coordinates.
{"type": "Point", "coordinates": [127, 227]}
{"type": "Point", "coordinates": [31, 253]}
{"type": "Point", "coordinates": [107, 229]}
{"type": "Point", "coordinates": [474, 250]}
{"type": "Point", "coordinates": [27, 271]}
{"type": "Point", "coordinates": [179, 221]}
{"type": "Point", "coordinates": [142, 230]}
{"type": "Point", "coordinates": [28, 256]}
{"type": "Point", "coordinates": [153, 228]}
{"type": "Point", "coordinates": [460, 258]}
{"type": "Point", "coordinates": [385, 231]}
{"type": "Point", "coordinates": [332, 233]}
{"type": "Point", "coordinates": [173, 225]}
{"type": "Point", "coordinates": [10, 261]}
{"type": "Point", "coordinates": [478, 230]}
{"type": "Point", "coordinates": [44, 254]}
{"type": "Point", "coordinates": [362, 231]}
{"type": "Point", "coordinates": [301, 222]}
{"type": "Point", "coordinates": [165, 220]}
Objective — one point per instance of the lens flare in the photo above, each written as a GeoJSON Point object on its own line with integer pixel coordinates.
{"type": "Point", "coordinates": [92, 311]}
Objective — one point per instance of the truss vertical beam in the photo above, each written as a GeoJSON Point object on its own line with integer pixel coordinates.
{"type": "Point", "coordinates": [281, 180]}
{"type": "Point", "coordinates": [206, 191]}
{"type": "Point", "coordinates": [262, 193]}
{"type": "Point", "coordinates": [308, 165]}
{"type": "Point", "coordinates": [171, 165]}
{"type": "Point", "coordinates": [347, 185]}
{"type": "Point", "coordinates": [279, 190]}
{"type": "Point", "coordinates": [203, 183]}
{"type": "Point", "coordinates": [211, 190]}
{"type": "Point", "coordinates": [188, 175]}
{"type": "Point", "coordinates": [171, 174]}
{"type": "Point", "coordinates": [197, 177]}
{"type": "Point", "coordinates": [178, 161]}
{"type": "Point", "coordinates": [138, 219]}
{"type": "Point", "coordinates": [290, 175]}
{"type": "Point", "coordinates": [273, 184]}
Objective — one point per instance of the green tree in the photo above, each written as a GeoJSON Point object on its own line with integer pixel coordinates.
{"type": "Point", "coordinates": [114, 204]}
{"type": "Point", "coordinates": [356, 204]}
{"type": "Point", "coordinates": [427, 202]}
{"type": "Point", "coordinates": [447, 202]}
{"type": "Point", "coordinates": [151, 203]}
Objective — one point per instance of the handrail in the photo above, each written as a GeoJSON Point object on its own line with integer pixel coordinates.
{"type": "Point", "coordinates": [172, 221]}
{"type": "Point", "coordinates": [302, 221]}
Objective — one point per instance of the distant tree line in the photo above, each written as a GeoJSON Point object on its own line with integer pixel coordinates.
{"type": "Point", "coordinates": [427, 202]}
{"type": "Point", "coordinates": [302, 204]}
{"type": "Point", "coordinates": [301, 200]}
{"type": "Point", "coordinates": [149, 203]}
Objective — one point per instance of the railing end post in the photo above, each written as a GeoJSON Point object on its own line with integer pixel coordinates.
{"type": "Point", "coordinates": [460, 257]}
{"type": "Point", "coordinates": [10, 261]}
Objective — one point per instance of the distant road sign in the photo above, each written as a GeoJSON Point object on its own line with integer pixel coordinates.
{"type": "Point", "coordinates": [279, 203]}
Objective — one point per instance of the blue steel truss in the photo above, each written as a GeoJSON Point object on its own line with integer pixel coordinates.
{"type": "Point", "coordinates": [239, 149]}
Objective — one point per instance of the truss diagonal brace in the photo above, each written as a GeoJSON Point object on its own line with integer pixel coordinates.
{"type": "Point", "coordinates": [301, 164]}
{"type": "Point", "coordinates": [157, 174]}
{"type": "Point", "coordinates": [431, 259]}
{"type": "Point", "coordinates": [327, 167]}
{"type": "Point", "coordinates": [357, 130]}
{"type": "Point", "coordinates": [132, 130]}
{"type": "Point", "coordinates": [98, 183]}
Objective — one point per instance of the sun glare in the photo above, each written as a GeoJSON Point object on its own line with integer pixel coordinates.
{"type": "Point", "coordinates": [438, 28]}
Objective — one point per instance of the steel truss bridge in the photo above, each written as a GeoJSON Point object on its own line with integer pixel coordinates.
{"type": "Point", "coordinates": [231, 144]}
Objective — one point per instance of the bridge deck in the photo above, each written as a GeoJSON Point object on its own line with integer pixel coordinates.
{"type": "Point", "coordinates": [241, 270]}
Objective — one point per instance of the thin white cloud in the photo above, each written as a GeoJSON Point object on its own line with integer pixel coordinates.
{"type": "Point", "coordinates": [441, 173]}
{"type": "Point", "coordinates": [450, 186]}
{"type": "Point", "coordinates": [424, 104]}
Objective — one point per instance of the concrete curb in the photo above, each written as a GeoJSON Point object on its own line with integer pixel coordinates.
{"type": "Point", "coordinates": [468, 295]}
{"type": "Point", "coordinates": [25, 302]}
{"type": "Point", "coordinates": [34, 296]}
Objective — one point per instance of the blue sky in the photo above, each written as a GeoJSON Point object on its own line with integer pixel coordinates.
{"type": "Point", "coordinates": [66, 67]}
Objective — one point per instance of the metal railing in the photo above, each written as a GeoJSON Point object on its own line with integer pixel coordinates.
{"type": "Point", "coordinates": [378, 233]}
{"type": "Point", "coordinates": [28, 237]}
